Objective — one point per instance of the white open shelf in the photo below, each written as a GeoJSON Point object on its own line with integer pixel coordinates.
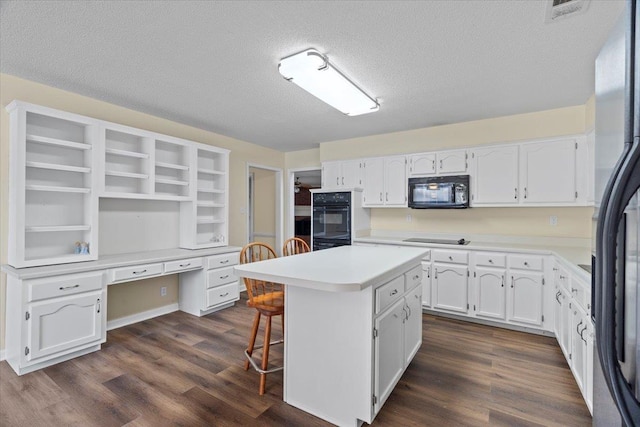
{"type": "Point", "coordinates": [210, 205]}
{"type": "Point", "coordinates": [209, 221]}
{"type": "Point", "coordinates": [211, 171]}
{"type": "Point", "coordinates": [60, 142]}
{"type": "Point", "coordinates": [210, 190]}
{"type": "Point", "coordinates": [126, 153]}
{"type": "Point", "coordinates": [172, 166]}
{"type": "Point", "coordinates": [171, 181]}
{"type": "Point", "coordinates": [54, 228]}
{"type": "Point", "coordinates": [57, 189]}
{"type": "Point", "coordinates": [52, 166]}
{"type": "Point", "coordinates": [126, 174]}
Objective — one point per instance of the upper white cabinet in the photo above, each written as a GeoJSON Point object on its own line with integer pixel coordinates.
{"type": "Point", "coordinates": [548, 172]}
{"type": "Point", "coordinates": [53, 213]}
{"type": "Point", "coordinates": [448, 162]}
{"type": "Point", "coordinates": [342, 174]}
{"type": "Point", "coordinates": [385, 182]}
{"type": "Point", "coordinates": [494, 172]}
{"type": "Point", "coordinates": [62, 163]}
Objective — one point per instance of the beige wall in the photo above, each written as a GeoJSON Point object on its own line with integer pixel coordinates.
{"type": "Point", "coordinates": [264, 205]}
{"type": "Point", "coordinates": [127, 299]}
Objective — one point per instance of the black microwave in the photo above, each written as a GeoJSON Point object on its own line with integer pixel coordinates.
{"type": "Point", "coordinates": [439, 192]}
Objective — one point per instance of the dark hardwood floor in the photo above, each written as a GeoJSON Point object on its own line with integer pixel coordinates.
{"type": "Point", "coordinates": [182, 370]}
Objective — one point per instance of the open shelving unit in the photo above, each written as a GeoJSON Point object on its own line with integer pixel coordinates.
{"type": "Point", "coordinates": [172, 169]}
{"type": "Point", "coordinates": [51, 191]}
{"type": "Point", "coordinates": [127, 163]}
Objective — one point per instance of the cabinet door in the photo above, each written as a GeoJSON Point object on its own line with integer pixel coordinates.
{"type": "Point", "coordinates": [450, 290]}
{"type": "Point", "coordinates": [525, 298]}
{"type": "Point", "coordinates": [495, 175]}
{"type": "Point", "coordinates": [64, 323]}
{"type": "Point", "coordinates": [395, 181]}
{"type": "Point", "coordinates": [331, 174]}
{"type": "Point", "coordinates": [422, 164]}
{"type": "Point", "coordinates": [561, 319]}
{"type": "Point", "coordinates": [451, 162]}
{"type": "Point", "coordinates": [412, 324]}
{"type": "Point", "coordinates": [579, 345]}
{"type": "Point", "coordinates": [388, 351]}
{"type": "Point", "coordinates": [548, 172]}
{"type": "Point", "coordinates": [426, 284]}
{"type": "Point", "coordinates": [351, 174]}
{"type": "Point", "coordinates": [372, 194]}
{"type": "Point", "coordinates": [490, 293]}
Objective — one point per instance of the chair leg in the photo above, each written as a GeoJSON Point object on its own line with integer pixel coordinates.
{"type": "Point", "coordinates": [265, 355]}
{"type": "Point", "coordinates": [282, 325]}
{"type": "Point", "coordinates": [252, 339]}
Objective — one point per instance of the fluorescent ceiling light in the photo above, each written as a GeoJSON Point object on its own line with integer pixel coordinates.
{"type": "Point", "coordinates": [312, 72]}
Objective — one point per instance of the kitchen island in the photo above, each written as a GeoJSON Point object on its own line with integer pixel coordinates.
{"type": "Point", "coordinates": [353, 323]}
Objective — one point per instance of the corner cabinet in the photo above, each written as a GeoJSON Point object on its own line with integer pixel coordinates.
{"type": "Point", "coordinates": [61, 164]}
{"type": "Point", "coordinates": [53, 206]}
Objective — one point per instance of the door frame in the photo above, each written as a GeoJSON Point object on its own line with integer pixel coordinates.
{"type": "Point", "coordinates": [278, 202]}
{"type": "Point", "coordinates": [291, 196]}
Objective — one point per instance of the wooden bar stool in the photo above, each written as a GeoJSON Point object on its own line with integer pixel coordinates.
{"type": "Point", "coordinates": [268, 300]}
{"type": "Point", "coordinates": [294, 246]}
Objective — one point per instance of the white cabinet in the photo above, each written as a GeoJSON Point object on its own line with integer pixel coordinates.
{"type": "Point", "coordinates": [490, 293]}
{"type": "Point", "coordinates": [525, 297]}
{"type": "Point", "coordinates": [426, 284]}
{"type": "Point", "coordinates": [579, 345]}
{"type": "Point", "coordinates": [210, 289]}
{"type": "Point", "coordinates": [62, 316]}
{"type": "Point", "coordinates": [449, 162]}
{"type": "Point", "coordinates": [385, 182]}
{"type": "Point", "coordinates": [342, 174]}
{"type": "Point", "coordinates": [561, 320]}
{"type": "Point", "coordinates": [412, 324]}
{"type": "Point", "coordinates": [450, 281]}
{"type": "Point", "coordinates": [204, 221]}
{"type": "Point", "coordinates": [494, 172]}
{"type": "Point", "coordinates": [548, 172]}
{"type": "Point", "coordinates": [585, 169]}
{"type": "Point", "coordinates": [53, 206]}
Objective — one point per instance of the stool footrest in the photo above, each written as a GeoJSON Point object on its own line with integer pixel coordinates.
{"type": "Point", "coordinates": [256, 367]}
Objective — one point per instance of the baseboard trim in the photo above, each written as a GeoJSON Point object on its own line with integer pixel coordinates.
{"type": "Point", "coordinates": [139, 317]}
{"type": "Point", "coordinates": [3, 355]}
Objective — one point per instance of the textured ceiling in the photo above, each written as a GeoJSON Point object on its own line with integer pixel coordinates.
{"type": "Point", "coordinates": [213, 64]}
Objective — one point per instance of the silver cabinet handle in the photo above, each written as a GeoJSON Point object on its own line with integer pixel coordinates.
{"type": "Point", "coordinates": [512, 281]}
{"type": "Point", "coordinates": [66, 288]}
{"type": "Point", "coordinates": [516, 196]}
{"type": "Point", "coordinates": [139, 272]}
{"type": "Point", "coordinates": [185, 265]}
{"type": "Point", "coordinates": [581, 332]}
{"type": "Point", "coordinates": [225, 294]}
{"type": "Point", "coordinates": [526, 264]}
{"type": "Point", "coordinates": [98, 305]}
{"type": "Point", "coordinates": [226, 261]}
{"type": "Point", "coordinates": [502, 286]}
{"type": "Point", "coordinates": [450, 258]}
{"type": "Point", "coordinates": [381, 196]}
{"type": "Point", "coordinates": [525, 192]}
{"type": "Point", "coordinates": [558, 297]}
{"type": "Point", "coordinates": [435, 273]}
{"type": "Point", "coordinates": [490, 261]}
{"type": "Point", "coordinates": [337, 180]}
{"type": "Point", "coordinates": [433, 165]}
{"type": "Point", "coordinates": [408, 311]}
{"type": "Point", "coordinates": [343, 180]}
{"type": "Point", "coordinates": [387, 196]}
{"type": "Point", "coordinates": [574, 290]}
{"type": "Point", "coordinates": [416, 277]}
{"type": "Point", "coordinates": [392, 293]}
{"type": "Point", "coordinates": [578, 327]}
{"type": "Point", "coordinates": [428, 273]}
{"type": "Point", "coordinates": [224, 277]}
{"type": "Point", "coordinates": [440, 164]}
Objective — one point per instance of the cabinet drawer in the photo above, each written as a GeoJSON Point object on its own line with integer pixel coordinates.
{"type": "Point", "coordinates": [222, 294]}
{"type": "Point", "coordinates": [489, 259]}
{"type": "Point", "coordinates": [220, 276]}
{"type": "Point", "coordinates": [389, 293]}
{"type": "Point", "coordinates": [222, 260]}
{"type": "Point", "coordinates": [561, 276]}
{"type": "Point", "coordinates": [457, 257]}
{"type": "Point", "coordinates": [413, 277]}
{"type": "Point", "coordinates": [59, 286]}
{"type": "Point", "coordinates": [135, 272]}
{"type": "Point", "coordinates": [182, 265]}
{"type": "Point", "coordinates": [581, 294]}
{"type": "Point", "coordinates": [526, 262]}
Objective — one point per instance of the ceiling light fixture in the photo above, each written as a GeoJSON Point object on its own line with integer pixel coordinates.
{"type": "Point", "coordinates": [312, 72]}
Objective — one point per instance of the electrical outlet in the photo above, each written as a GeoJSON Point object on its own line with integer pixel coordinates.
{"type": "Point", "coordinates": [163, 291]}
{"type": "Point", "coordinates": [409, 218]}
{"type": "Point", "coordinates": [553, 220]}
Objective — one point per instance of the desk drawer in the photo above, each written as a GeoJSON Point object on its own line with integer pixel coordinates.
{"type": "Point", "coordinates": [58, 286]}
{"type": "Point", "coordinates": [491, 259]}
{"type": "Point", "coordinates": [135, 272]}
{"type": "Point", "coordinates": [182, 265]}
{"type": "Point", "coordinates": [222, 294]}
{"type": "Point", "coordinates": [526, 262]}
{"type": "Point", "coordinates": [457, 257]}
{"type": "Point", "coordinates": [220, 276]}
{"type": "Point", "coordinates": [387, 294]}
{"type": "Point", "coordinates": [222, 260]}
{"type": "Point", "coordinates": [413, 278]}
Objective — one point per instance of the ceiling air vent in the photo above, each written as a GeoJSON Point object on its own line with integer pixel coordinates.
{"type": "Point", "coordinates": [561, 9]}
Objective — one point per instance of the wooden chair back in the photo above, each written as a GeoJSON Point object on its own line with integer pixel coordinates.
{"type": "Point", "coordinates": [294, 246]}
{"type": "Point", "coordinates": [263, 295]}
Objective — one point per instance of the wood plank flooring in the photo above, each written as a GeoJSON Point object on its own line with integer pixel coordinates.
{"type": "Point", "coordinates": [182, 370]}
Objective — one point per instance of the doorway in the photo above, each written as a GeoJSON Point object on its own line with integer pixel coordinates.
{"type": "Point", "coordinates": [264, 205]}
{"type": "Point", "coordinates": [300, 182]}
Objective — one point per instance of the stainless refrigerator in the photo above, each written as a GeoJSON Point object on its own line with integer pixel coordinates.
{"type": "Point", "coordinates": [615, 296]}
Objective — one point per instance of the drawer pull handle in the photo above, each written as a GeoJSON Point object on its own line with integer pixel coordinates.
{"type": "Point", "coordinates": [98, 305]}
{"type": "Point", "coordinates": [490, 261]}
{"type": "Point", "coordinates": [393, 292]}
{"type": "Point", "coordinates": [224, 277]}
{"type": "Point", "coordinates": [574, 290]}
{"type": "Point", "coordinates": [66, 288]}
{"type": "Point", "coordinates": [578, 327]}
{"type": "Point", "coordinates": [450, 258]}
{"type": "Point", "coordinates": [140, 272]}
{"type": "Point", "coordinates": [526, 264]}
{"type": "Point", "coordinates": [224, 262]}
{"type": "Point", "coordinates": [416, 277]}
{"type": "Point", "coordinates": [562, 277]}
{"type": "Point", "coordinates": [225, 294]}
{"type": "Point", "coordinates": [185, 265]}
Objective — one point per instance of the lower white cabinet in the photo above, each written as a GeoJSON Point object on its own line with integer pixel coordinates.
{"type": "Point", "coordinates": [60, 317]}
{"type": "Point", "coordinates": [213, 288]}
{"type": "Point", "coordinates": [561, 320]}
{"type": "Point", "coordinates": [490, 293]}
{"type": "Point", "coordinates": [450, 287]}
{"type": "Point", "coordinates": [525, 298]}
{"type": "Point", "coordinates": [579, 326]}
{"type": "Point", "coordinates": [412, 324]}
{"type": "Point", "coordinates": [426, 284]}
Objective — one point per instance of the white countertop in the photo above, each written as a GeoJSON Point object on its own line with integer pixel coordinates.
{"type": "Point", "coordinates": [341, 269]}
{"type": "Point", "coordinates": [119, 260]}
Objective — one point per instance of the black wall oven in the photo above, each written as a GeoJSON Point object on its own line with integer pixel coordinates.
{"type": "Point", "coordinates": [331, 219]}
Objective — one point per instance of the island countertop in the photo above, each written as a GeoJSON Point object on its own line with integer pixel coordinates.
{"type": "Point", "coordinates": [341, 269]}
